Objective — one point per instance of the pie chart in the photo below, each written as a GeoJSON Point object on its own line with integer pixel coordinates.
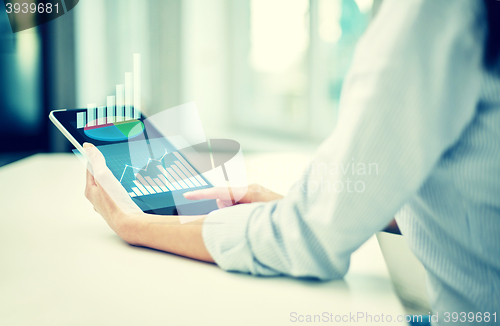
{"type": "Point", "coordinates": [116, 131]}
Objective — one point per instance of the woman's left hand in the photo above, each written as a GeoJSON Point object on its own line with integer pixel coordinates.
{"type": "Point", "coordinates": [99, 179]}
{"type": "Point", "coordinates": [112, 201]}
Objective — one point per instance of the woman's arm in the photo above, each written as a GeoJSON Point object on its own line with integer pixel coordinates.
{"type": "Point", "coordinates": [166, 233]}
{"type": "Point", "coordinates": [154, 231]}
{"type": "Point", "coordinates": [412, 90]}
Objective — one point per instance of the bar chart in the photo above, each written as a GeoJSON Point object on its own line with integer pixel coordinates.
{"type": "Point", "coordinates": [169, 173]}
{"type": "Point", "coordinates": [157, 178]}
{"type": "Point", "coordinates": [119, 119]}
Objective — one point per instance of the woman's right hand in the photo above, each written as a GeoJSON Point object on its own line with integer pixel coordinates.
{"type": "Point", "coordinates": [255, 193]}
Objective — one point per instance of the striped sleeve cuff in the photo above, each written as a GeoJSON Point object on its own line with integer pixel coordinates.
{"type": "Point", "coordinates": [225, 236]}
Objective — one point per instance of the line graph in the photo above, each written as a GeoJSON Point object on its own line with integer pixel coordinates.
{"type": "Point", "coordinates": [144, 168]}
{"type": "Point", "coordinates": [153, 172]}
{"type": "Point", "coordinates": [168, 173]}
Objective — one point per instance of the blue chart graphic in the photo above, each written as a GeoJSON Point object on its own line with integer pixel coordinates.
{"type": "Point", "coordinates": [170, 172]}
{"type": "Point", "coordinates": [117, 131]}
{"type": "Point", "coordinates": [153, 180]}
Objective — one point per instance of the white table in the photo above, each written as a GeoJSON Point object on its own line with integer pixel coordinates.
{"type": "Point", "coordinates": [60, 264]}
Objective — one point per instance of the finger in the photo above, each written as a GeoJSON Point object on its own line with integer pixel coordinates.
{"type": "Point", "coordinates": [105, 180]}
{"type": "Point", "coordinates": [220, 204]}
{"type": "Point", "coordinates": [95, 157]}
{"type": "Point", "coordinates": [224, 203]}
{"type": "Point", "coordinates": [209, 193]}
{"type": "Point", "coordinates": [90, 177]}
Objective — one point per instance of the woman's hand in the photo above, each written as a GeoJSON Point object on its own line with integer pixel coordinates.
{"type": "Point", "coordinates": [100, 199]}
{"type": "Point", "coordinates": [165, 233]}
{"type": "Point", "coordinates": [255, 193]}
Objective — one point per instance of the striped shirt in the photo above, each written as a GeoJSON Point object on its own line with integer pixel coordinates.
{"type": "Point", "coordinates": [418, 137]}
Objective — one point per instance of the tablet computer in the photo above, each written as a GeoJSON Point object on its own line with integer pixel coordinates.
{"type": "Point", "coordinates": [148, 165]}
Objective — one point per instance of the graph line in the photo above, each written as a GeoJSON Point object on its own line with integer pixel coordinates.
{"type": "Point", "coordinates": [142, 169]}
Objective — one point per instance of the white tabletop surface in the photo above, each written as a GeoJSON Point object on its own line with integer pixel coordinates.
{"type": "Point", "coordinates": [60, 264]}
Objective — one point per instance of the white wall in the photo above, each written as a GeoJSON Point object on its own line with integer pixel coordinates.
{"type": "Point", "coordinates": [205, 61]}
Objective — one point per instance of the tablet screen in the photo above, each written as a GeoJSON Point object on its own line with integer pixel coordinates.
{"type": "Point", "coordinates": [149, 167]}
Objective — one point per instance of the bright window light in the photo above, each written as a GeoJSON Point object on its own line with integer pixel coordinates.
{"type": "Point", "coordinates": [364, 5]}
{"type": "Point", "coordinates": [279, 34]}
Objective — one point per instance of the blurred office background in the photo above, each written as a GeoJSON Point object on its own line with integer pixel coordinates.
{"type": "Point", "coordinates": [267, 73]}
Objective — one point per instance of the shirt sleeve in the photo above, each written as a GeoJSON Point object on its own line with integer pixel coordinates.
{"type": "Point", "coordinates": [411, 91]}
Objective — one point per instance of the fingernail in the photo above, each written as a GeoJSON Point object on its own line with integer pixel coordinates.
{"type": "Point", "coordinates": [88, 145]}
{"type": "Point", "coordinates": [187, 193]}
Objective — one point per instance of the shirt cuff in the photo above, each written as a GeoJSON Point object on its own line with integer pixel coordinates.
{"type": "Point", "coordinates": [225, 236]}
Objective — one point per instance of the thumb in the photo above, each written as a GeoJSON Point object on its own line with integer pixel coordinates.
{"type": "Point", "coordinates": [105, 178]}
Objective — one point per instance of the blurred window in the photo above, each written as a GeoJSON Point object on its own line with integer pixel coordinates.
{"type": "Point", "coordinates": [290, 58]}
{"type": "Point", "coordinates": [21, 90]}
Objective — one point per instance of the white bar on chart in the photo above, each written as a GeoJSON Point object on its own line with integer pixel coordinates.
{"type": "Point", "coordinates": [160, 184]}
{"type": "Point", "coordinates": [101, 115]}
{"type": "Point", "coordinates": [128, 96]}
{"type": "Point", "coordinates": [120, 102]}
{"type": "Point", "coordinates": [169, 177]}
{"type": "Point", "coordinates": [91, 114]}
{"type": "Point", "coordinates": [138, 184]}
{"type": "Point", "coordinates": [80, 120]}
{"type": "Point", "coordinates": [137, 191]}
{"type": "Point", "coordinates": [137, 86]}
{"type": "Point", "coordinates": [111, 109]}
{"type": "Point", "coordinates": [177, 178]}
{"type": "Point", "coordinates": [182, 176]}
{"type": "Point", "coordinates": [172, 180]}
{"type": "Point", "coordinates": [145, 184]}
{"type": "Point", "coordinates": [190, 168]}
{"type": "Point", "coordinates": [131, 194]}
{"type": "Point", "coordinates": [188, 174]}
{"type": "Point", "coordinates": [165, 181]}
{"type": "Point", "coordinates": [153, 184]}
